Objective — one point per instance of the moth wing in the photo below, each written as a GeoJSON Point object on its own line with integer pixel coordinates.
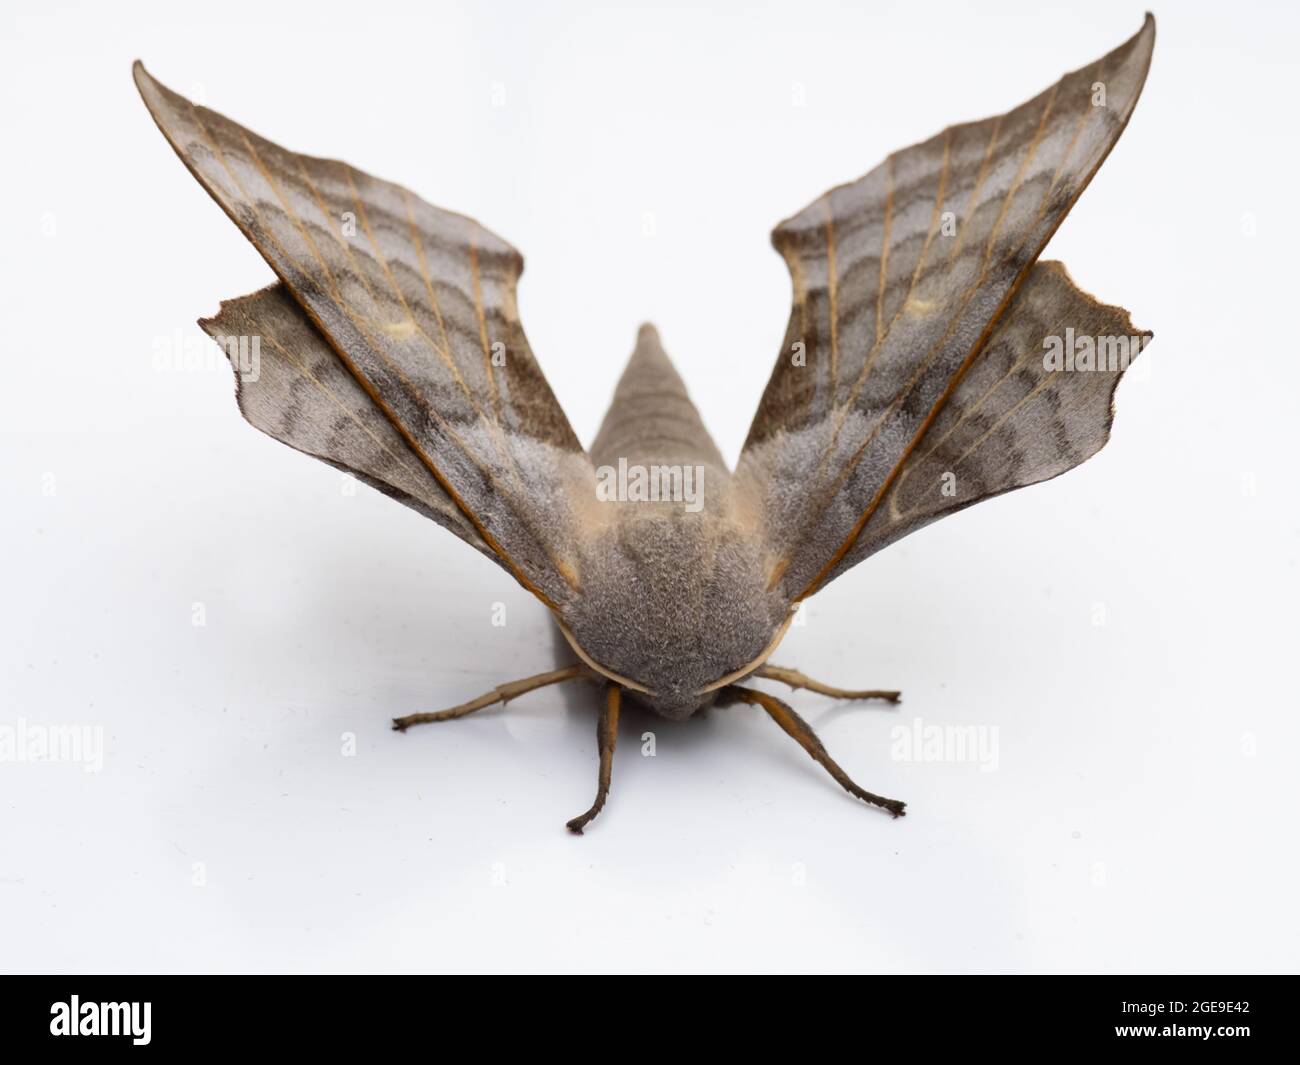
{"type": "Point", "coordinates": [900, 278]}
{"type": "Point", "coordinates": [1016, 417]}
{"type": "Point", "coordinates": [293, 387]}
{"type": "Point", "coordinates": [419, 304]}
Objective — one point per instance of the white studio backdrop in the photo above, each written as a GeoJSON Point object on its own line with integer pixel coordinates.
{"type": "Point", "coordinates": [239, 625]}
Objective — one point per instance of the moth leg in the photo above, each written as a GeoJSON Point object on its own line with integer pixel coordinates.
{"type": "Point", "coordinates": [802, 733]}
{"type": "Point", "coordinates": [797, 680]}
{"type": "Point", "coordinates": [606, 737]}
{"type": "Point", "coordinates": [502, 693]}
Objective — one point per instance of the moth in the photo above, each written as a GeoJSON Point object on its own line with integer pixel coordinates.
{"type": "Point", "coordinates": [924, 369]}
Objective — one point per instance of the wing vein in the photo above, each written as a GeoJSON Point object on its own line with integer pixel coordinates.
{"type": "Point", "coordinates": [832, 291]}
{"type": "Point", "coordinates": [884, 244]}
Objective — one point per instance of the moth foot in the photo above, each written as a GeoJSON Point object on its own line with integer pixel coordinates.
{"type": "Point", "coordinates": [579, 823]}
{"type": "Point", "coordinates": [894, 807]}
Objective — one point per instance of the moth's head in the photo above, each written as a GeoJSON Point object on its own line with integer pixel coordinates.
{"type": "Point", "coordinates": [673, 611]}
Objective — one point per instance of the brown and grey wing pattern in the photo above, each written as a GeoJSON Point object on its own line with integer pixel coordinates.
{"type": "Point", "coordinates": [419, 303]}
{"type": "Point", "coordinates": [1018, 416]}
{"type": "Point", "coordinates": [299, 391]}
{"type": "Point", "coordinates": [899, 278]}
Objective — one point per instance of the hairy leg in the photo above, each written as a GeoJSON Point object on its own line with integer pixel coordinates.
{"type": "Point", "coordinates": [502, 693]}
{"type": "Point", "coordinates": [797, 680]}
{"type": "Point", "coordinates": [802, 733]}
{"type": "Point", "coordinates": [606, 737]}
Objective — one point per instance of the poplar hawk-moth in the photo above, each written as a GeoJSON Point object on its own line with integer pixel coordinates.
{"type": "Point", "coordinates": [912, 382]}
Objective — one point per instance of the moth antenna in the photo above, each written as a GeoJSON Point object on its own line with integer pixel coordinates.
{"type": "Point", "coordinates": [606, 737]}
{"type": "Point", "coordinates": [796, 680]}
{"type": "Point", "coordinates": [502, 693]}
{"type": "Point", "coordinates": [799, 729]}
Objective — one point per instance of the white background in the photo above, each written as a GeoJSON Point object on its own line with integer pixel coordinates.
{"type": "Point", "coordinates": [1142, 814]}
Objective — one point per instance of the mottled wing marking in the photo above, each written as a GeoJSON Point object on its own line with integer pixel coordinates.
{"type": "Point", "coordinates": [414, 303]}
{"type": "Point", "coordinates": [890, 319]}
{"type": "Point", "coordinates": [301, 393]}
{"type": "Point", "coordinates": [1011, 421]}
